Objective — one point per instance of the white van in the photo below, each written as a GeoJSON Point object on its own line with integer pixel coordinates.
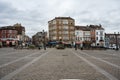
{"type": "Point", "coordinates": [113, 47]}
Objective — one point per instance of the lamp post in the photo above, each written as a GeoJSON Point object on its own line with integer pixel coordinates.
{"type": "Point", "coordinates": [44, 44]}
{"type": "Point", "coordinates": [116, 38]}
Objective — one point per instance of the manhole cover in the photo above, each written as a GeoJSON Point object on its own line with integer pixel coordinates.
{"type": "Point", "coordinates": [65, 55]}
{"type": "Point", "coordinates": [70, 79]}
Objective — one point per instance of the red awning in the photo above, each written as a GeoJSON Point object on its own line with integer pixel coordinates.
{"type": "Point", "coordinates": [78, 42]}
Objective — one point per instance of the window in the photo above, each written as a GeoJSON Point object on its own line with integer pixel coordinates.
{"type": "Point", "coordinates": [65, 32]}
{"type": "Point", "coordinates": [96, 33]}
{"type": "Point", "coordinates": [8, 35]}
{"type": "Point", "coordinates": [101, 33]}
{"type": "Point", "coordinates": [4, 36]}
{"type": "Point", "coordinates": [66, 38]}
{"type": "Point", "coordinates": [81, 38]}
{"type": "Point", "coordinates": [101, 38]}
{"type": "Point", "coordinates": [77, 33]}
{"type": "Point", "coordinates": [54, 22]}
{"type": "Point", "coordinates": [3, 31]}
{"type": "Point", "coordinates": [60, 27]}
{"type": "Point", "coordinates": [71, 28]}
{"type": "Point", "coordinates": [60, 32]}
{"type": "Point", "coordinates": [76, 38]}
{"type": "Point", "coordinates": [65, 27]}
{"type": "Point", "coordinates": [96, 38]}
{"type": "Point", "coordinates": [65, 21]}
{"type": "Point", "coordinates": [10, 31]}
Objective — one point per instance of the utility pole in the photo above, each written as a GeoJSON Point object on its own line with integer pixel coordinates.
{"type": "Point", "coordinates": [116, 38]}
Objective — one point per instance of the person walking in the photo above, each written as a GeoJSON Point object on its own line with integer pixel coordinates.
{"type": "Point", "coordinates": [75, 46]}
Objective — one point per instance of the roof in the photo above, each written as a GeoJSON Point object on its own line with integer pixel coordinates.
{"type": "Point", "coordinates": [84, 28]}
{"type": "Point", "coordinates": [98, 27]}
{"type": "Point", "coordinates": [61, 18]}
{"type": "Point", "coordinates": [64, 18]}
{"type": "Point", "coordinates": [110, 34]}
{"type": "Point", "coordinates": [7, 28]}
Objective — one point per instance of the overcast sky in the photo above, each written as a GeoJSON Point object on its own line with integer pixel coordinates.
{"type": "Point", "coordinates": [35, 14]}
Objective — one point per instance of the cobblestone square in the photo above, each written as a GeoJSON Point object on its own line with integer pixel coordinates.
{"type": "Point", "coordinates": [55, 64]}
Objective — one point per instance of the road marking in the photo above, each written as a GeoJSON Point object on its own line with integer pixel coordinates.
{"type": "Point", "coordinates": [101, 60]}
{"type": "Point", "coordinates": [109, 53]}
{"type": "Point", "coordinates": [10, 53]}
{"type": "Point", "coordinates": [3, 65]}
{"type": "Point", "coordinates": [114, 54]}
{"type": "Point", "coordinates": [9, 76]}
{"type": "Point", "coordinates": [109, 76]}
{"type": "Point", "coordinates": [7, 54]}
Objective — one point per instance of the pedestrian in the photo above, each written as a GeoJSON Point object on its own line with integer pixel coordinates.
{"type": "Point", "coordinates": [39, 46]}
{"type": "Point", "coordinates": [75, 46]}
{"type": "Point", "coordinates": [0, 44]}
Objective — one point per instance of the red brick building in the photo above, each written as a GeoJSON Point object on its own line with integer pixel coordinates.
{"type": "Point", "coordinates": [8, 36]}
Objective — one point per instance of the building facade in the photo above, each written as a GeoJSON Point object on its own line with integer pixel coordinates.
{"type": "Point", "coordinates": [112, 40]}
{"type": "Point", "coordinates": [92, 35]}
{"type": "Point", "coordinates": [40, 38]}
{"type": "Point", "coordinates": [62, 28]}
{"type": "Point", "coordinates": [11, 35]}
{"type": "Point", "coordinates": [100, 36]}
{"type": "Point", "coordinates": [8, 36]}
{"type": "Point", "coordinates": [82, 35]}
{"type": "Point", "coordinates": [21, 32]}
{"type": "Point", "coordinates": [97, 35]}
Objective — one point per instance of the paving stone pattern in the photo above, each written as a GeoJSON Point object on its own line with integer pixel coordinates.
{"type": "Point", "coordinates": [53, 64]}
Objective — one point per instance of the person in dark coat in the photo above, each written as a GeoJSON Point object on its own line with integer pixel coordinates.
{"type": "Point", "coordinates": [75, 46]}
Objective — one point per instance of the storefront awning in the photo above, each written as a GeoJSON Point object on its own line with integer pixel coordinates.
{"type": "Point", "coordinates": [78, 42]}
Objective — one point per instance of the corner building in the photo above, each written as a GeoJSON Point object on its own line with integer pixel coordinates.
{"type": "Point", "coordinates": [62, 28]}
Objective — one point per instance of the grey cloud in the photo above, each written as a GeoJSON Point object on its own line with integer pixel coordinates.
{"type": "Point", "coordinates": [35, 14]}
{"type": "Point", "coordinates": [6, 8]}
{"type": "Point", "coordinates": [7, 13]}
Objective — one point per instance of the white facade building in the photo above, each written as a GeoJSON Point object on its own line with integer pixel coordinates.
{"type": "Point", "coordinates": [82, 34]}
{"type": "Point", "coordinates": [79, 35]}
{"type": "Point", "coordinates": [100, 36]}
{"type": "Point", "coordinates": [86, 36]}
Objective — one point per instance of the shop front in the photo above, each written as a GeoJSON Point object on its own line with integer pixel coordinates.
{"type": "Point", "coordinates": [8, 42]}
{"type": "Point", "coordinates": [79, 44]}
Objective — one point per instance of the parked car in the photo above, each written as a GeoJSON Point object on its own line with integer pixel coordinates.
{"type": "Point", "coordinates": [113, 47]}
{"type": "Point", "coordinates": [60, 46]}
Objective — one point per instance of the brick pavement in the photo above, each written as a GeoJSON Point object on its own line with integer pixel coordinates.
{"type": "Point", "coordinates": [61, 64]}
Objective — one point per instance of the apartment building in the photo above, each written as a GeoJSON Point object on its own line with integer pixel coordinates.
{"type": "Point", "coordinates": [8, 36]}
{"type": "Point", "coordinates": [82, 35]}
{"type": "Point", "coordinates": [11, 34]}
{"type": "Point", "coordinates": [39, 38]}
{"type": "Point", "coordinates": [112, 40]}
{"type": "Point", "coordinates": [97, 35]}
{"type": "Point", "coordinates": [62, 28]}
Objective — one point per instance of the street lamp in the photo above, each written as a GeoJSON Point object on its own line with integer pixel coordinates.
{"type": "Point", "coordinates": [44, 44]}
{"type": "Point", "coordinates": [116, 38]}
